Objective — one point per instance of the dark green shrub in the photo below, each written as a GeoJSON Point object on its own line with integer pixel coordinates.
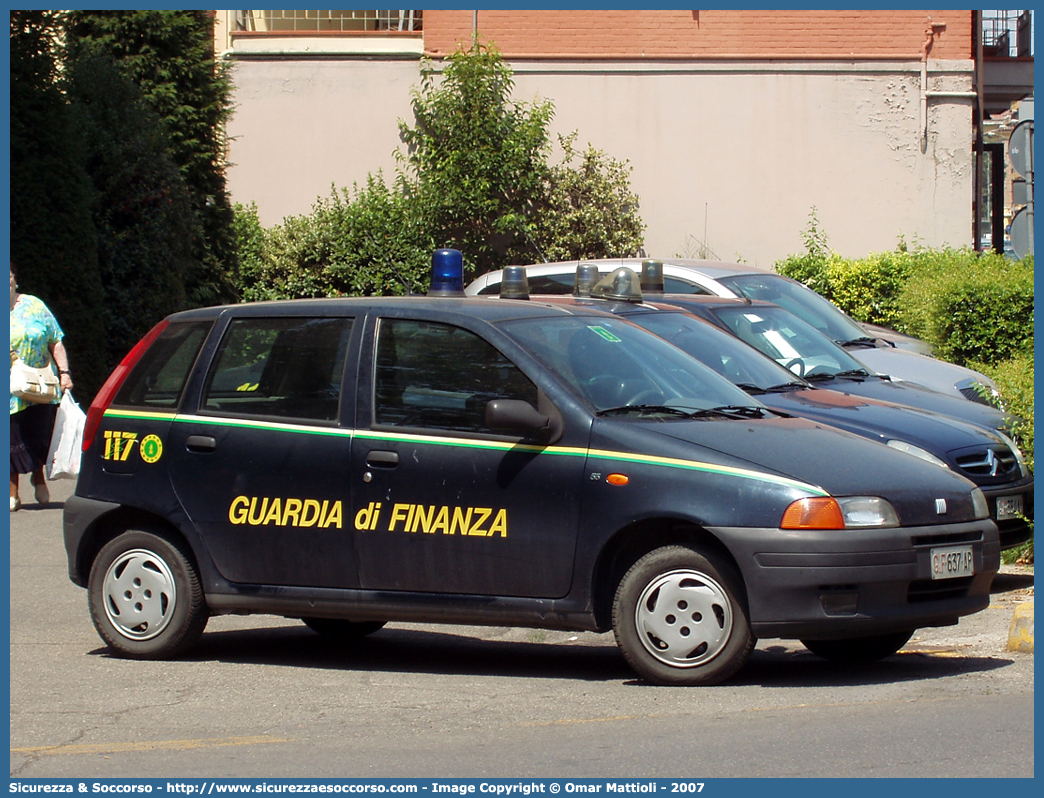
{"type": "Point", "coordinates": [142, 216]}
{"type": "Point", "coordinates": [53, 242]}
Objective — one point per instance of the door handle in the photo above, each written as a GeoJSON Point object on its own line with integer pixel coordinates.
{"type": "Point", "coordinates": [200, 443]}
{"type": "Point", "coordinates": [380, 459]}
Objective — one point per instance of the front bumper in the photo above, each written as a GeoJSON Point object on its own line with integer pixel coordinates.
{"type": "Point", "coordinates": [816, 584]}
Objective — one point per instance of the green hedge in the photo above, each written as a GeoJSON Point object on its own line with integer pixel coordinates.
{"type": "Point", "coordinates": [969, 307]}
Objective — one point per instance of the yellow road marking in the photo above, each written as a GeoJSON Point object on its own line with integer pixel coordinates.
{"type": "Point", "coordinates": [157, 745]}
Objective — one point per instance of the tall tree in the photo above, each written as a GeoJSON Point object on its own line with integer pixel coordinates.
{"type": "Point", "coordinates": [478, 157]}
{"type": "Point", "coordinates": [52, 235]}
{"type": "Point", "coordinates": [142, 214]}
{"type": "Point", "coordinates": [170, 55]}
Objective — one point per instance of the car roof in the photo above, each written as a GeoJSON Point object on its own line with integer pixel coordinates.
{"type": "Point", "coordinates": [490, 309]}
{"type": "Point", "coordinates": [672, 266]}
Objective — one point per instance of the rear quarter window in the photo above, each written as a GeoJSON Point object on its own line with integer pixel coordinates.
{"type": "Point", "coordinates": [158, 379]}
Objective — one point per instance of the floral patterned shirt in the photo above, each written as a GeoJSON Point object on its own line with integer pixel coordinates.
{"type": "Point", "coordinates": [33, 330]}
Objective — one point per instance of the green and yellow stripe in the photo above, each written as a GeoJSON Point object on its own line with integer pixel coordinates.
{"type": "Point", "coordinates": [477, 444]}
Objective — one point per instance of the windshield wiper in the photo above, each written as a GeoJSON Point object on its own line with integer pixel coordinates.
{"type": "Point", "coordinates": [750, 387]}
{"type": "Point", "coordinates": [865, 341]}
{"type": "Point", "coordinates": [860, 374]}
{"type": "Point", "coordinates": [662, 409]}
{"type": "Point", "coordinates": [822, 377]}
{"type": "Point", "coordinates": [730, 411]}
{"type": "Point", "coordinates": [785, 387]}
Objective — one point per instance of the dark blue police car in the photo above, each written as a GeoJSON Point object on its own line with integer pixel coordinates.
{"type": "Point", "coordinates": [351, 462]}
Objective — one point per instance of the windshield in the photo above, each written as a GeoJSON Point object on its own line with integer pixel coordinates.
{"type": "Point", "coordinates": [731, 358]}
{"type": "Point", "coordinates": [613, 364]}
{"type": "Point", "coordinates": [803, 302]}
{"type": "Point", "coordinates": [789, 341]}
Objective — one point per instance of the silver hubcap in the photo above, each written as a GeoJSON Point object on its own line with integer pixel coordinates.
{"type": "Point", "coordinates": [140, 594]}
{"type": "Point", "coordinates": [684, 618]}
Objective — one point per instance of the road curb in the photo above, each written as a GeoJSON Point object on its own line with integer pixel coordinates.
{"type": "Point", "coordinates": [1020, 635]}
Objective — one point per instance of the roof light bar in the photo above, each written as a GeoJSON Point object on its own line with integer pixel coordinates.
{"type": "Point", "coordinates": [586, 276]}
{"type": "Point", "coordinates": [447, 273]}
{"type": "Point", "coordinates": [652, 276]}
{"type": "Point", "coordinates": [514, 284]}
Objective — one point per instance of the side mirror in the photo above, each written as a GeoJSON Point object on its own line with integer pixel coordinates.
{"type": "Point", "coordinates": [514, 415]}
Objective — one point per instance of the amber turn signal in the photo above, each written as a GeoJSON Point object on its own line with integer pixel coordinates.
{"type": "Point", "coordinates": [617, 479]}
{"type": "Point", "coordinates": [813, 513]}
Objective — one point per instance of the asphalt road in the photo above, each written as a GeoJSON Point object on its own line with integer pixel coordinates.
{"type": "Point", "coordinates": [264, 697]}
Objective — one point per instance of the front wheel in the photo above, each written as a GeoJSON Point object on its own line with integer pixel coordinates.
{"type": "Point", "coordinates": [145, 596]}
{"type": "Point", "coordinates": [857, 650]}
{"type": "Point", "coordinates": [680, 619]}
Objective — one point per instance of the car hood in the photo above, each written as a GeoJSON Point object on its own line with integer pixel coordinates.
{"type": "Point", "coordinates": [901, 341]}
{"type": "Point", "coordinates": [882, 421]}
{"type": "Point", "coordinates": [912, 395]}
{"type": "Point", "coordinates": [907, 366]}
{"type": "Point", "coordinates": [837, 462]}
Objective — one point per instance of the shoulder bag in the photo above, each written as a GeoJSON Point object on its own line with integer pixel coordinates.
{"type": "Point", "coordinates": [39, 386]}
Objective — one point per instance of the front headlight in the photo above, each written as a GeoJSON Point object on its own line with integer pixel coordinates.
{"type": "Point", "coordinates": [1023, 468]}
{"type": "Point", "coordinates": [846, 512]}
{"type": "Point", "coordinates": [916, 451]}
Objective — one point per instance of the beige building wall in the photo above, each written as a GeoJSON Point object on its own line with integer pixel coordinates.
{"type": "Point", "coordinates": [731, 156]}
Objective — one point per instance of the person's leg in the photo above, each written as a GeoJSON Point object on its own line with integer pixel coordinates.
{"type": "Point", "coordinates": [43, 495]}
{"type": "Point", "coordinates": [14, 492]}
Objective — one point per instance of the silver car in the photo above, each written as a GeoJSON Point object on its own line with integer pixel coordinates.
{"type": "Point", "coordinates": [902, 357]}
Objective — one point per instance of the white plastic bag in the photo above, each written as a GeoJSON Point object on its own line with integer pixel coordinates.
{"type": "Point", "coordinates": [63, 459]}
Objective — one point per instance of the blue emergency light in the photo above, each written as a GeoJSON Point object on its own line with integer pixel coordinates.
{"type": "Point", "coordinates": [447, 273]}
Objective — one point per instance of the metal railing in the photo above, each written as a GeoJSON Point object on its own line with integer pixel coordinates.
{"type": "Point", "coordinates": [333, 21]}
{"type": "Point", "coordinates": [1007, 33]}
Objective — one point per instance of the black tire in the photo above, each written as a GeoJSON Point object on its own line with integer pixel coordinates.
{"type": "Point", "coordinates": [340, 629]}
{"type": "Point", "coordinates": [858, 650]}
{"type": "Point", "coordinates": [145, 596]}
{"type": "Point", "coordinates": [699, 635]}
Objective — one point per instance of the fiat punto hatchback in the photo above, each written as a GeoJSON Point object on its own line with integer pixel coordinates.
{"type": "Point", "coordinates": [353, 462]}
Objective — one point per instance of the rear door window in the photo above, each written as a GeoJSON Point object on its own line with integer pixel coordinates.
{"type": "Point", "coordinates": [286, 368]}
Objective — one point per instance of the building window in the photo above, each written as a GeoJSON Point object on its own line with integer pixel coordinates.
{"type": "Point", "coordinates": [328, 21]}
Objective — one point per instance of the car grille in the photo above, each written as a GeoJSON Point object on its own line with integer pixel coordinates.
{"type": "Point", "coordinates": [990, 462]}
{"type": "Point", "coordinates": [973, 393]}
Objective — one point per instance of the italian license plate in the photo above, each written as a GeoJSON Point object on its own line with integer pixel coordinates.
{"type": "Point", "coordinates": [1008, 507]}
{"type": "Point", "coordinates": [952, 561]}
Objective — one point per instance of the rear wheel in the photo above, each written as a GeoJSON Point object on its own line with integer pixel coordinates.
{"type": "Point", "coordinates": [856, 650]}
{"type": "Point", "coordinates": [340, 629]}
{"type": "Point", "coordinates": [679, 617]}
{"type": "Point", "coordinates": [145, 596]}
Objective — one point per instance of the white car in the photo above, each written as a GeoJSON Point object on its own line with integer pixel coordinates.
{"type": "Point", "coordinates": [902, 357]}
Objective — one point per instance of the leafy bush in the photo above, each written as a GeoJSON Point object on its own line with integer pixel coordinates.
{"type": "Point", "coordinates": [971, 307]}
{"type": "Point", "coordinates": [589, 210]}
{"type": "Point", "coordinates": [1014, 378]}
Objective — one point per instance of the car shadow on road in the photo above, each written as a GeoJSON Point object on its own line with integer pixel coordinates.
{"type": "Point", "coordinates": [395, 650]}
{"type": "Point", "coordinates": [1007, 582]}
{"type": "Point", "coordinates": [782, 666]}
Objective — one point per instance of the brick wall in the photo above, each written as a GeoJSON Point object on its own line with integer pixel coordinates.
{"type": "Point", "coordinates": [624, 34]}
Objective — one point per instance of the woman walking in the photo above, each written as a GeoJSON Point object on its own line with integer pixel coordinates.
{"type": "Point", "coordinates": [37, 340]}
